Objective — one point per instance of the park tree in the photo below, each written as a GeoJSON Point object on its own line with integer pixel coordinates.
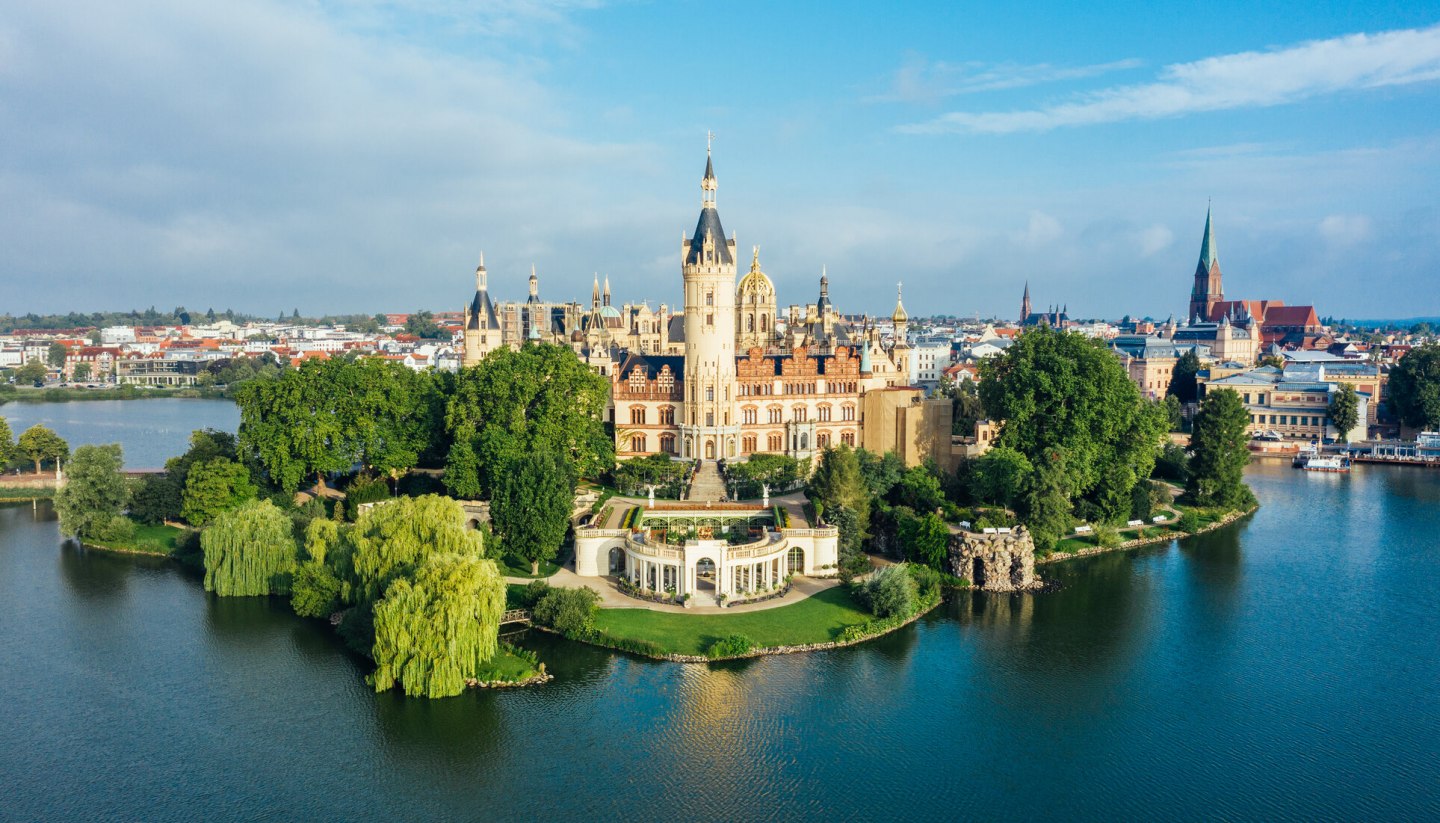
{"type": "Point", "coordinates": [890, 592]}
{"type": "Point", "coordinates": [33, 371]}
{"type": "Point", "coordinates": [926, 539]}
{"type": "Point", "coordinates": [436, 628]}
{"type": "Point", "coordinates": [1058, 390]}
{"type": "Point", "coordinates": [1219, 452]}
{"type": "Point", "coordinates": [40, 444]}
{"type": "Point", "coordinates": [91, 504]}
{"type": "Point", "coordinates": [9, 452]}
{"type": "Point", "coordinates": [55, 355]}
{"type": "Point", "coordinates": [1344, 411]}
{"type": "Point", "coordinates": [837, 483]}
{"type": "Point", "coordinates": [1001, 476]}
{"type": "Point", "coordinates": [778, 471]}
{"type": "Point", "coordinates": [1183, 384]}
{"type": "Point", "coordinates": [541, 399]}
{"type": "Point", "coordinates": [213, 487]}
{"type": "Point", "coordinates": [81, 372]}
{"type": "Point", "coordinates": [965, 406]}
{"type": "Point", "coordinates": [1173, 413]}
{"type": "Point", "coordinates": [1045, 507]}
{"type": "Point", "coordinates": [879, 472]}
{"type": "Point", "coordinates": [422, 324]}
{"type": "Point", "coordinates": [1414, 388]}
{"type": "Point", "coordinates": [389, 541]}
{"type": "Point", "coordinates": [530, 507]}
{"type": "Point", "coordinates": [249, 551]}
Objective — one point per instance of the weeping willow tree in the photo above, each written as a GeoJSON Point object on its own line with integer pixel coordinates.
{"type": "Point", "coordinates": [389, 541]}
{"type": "Point", "coordinates": [249, 551]}
{"type": "Point", "coordinates": [438, 626]}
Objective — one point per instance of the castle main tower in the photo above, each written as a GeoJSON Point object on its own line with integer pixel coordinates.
{"type": "Point", "coordinates": [710, 428]}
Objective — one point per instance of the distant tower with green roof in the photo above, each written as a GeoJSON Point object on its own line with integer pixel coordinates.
{"type": "Point", "coordinates": [1207, 290]}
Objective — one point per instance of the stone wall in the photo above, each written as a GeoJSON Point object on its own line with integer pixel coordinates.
{"type": "Point", "coordinates": [994, 562]}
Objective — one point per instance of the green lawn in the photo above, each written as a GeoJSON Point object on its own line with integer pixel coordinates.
{"type": "Point", "coordinates": [161, 540]}
{"type": "Point", "coordinates": [816, 619]}
{"type": "Point", "coordinates": [515, 567]}
{"type": "Point", "coordinates": [505, 666]}
{"type": "Point", "coordinates": [20, 493]}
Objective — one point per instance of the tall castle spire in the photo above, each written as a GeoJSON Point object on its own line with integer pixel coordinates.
{"type": "Point", "coordinates": [1207, 289]}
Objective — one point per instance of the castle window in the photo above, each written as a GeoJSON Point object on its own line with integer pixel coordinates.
{"type": "Point", "coordinates": [667, 415]}
{"type": "Point", "coordinates": [749, 417]}
{"type": "Point", "coordinates": [637, 416]}
{"type": "Point", "coordinates": [822, 440]}
{"type": "Point", "coordinates": [800, 414]}
{"type": "Point", "coordinates": [776, 414]}
{"type": "Point", "coordinates": [848, 438]}
{"type": "Point", "coordinates": [747, 443]}
{"type": "Point", "coordinates": [710, 394]}
{"type": "Point", "coordinates": [775, 442]}
{"type": "Point", "coordinates": [824, 414]}
{"type": "Point", "coordinates": [667, 443]}
{"type": "Point", "coordinates": [709, 298]}
{"type": "Point", "coordinates": [637, 443]}
{"type": "Point", "coordinates": [709, 418]}
{"type": "Point", "coordinates": [847, 412]}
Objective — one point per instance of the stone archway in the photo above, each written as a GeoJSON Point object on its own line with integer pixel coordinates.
{"type": "Point", "coordinates": [709, 449]}
{"type": "Point", "coordinates": [977, 573]}
{"type": "Point", "coordinates": [795, 560]}
{"type": "Point", "coordinates": [705, 576]}
{"type": "Point", "coordinates": [617, 560]}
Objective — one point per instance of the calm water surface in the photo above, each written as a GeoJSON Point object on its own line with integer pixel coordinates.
{"type": "Point", "coordinates": [1285, 668]}
{"type": "Point", "coordinates": [152, 431]}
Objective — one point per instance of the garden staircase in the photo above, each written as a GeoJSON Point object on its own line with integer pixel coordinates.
{"type": "Point", "coordinates": [708, 486]}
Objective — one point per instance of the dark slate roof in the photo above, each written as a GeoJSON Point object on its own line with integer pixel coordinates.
{"type": "Point", "coordinates": [677, 328]}
{"type": "Point", "coordinates": [482, 306]}
{"type": "Point", "coordinates": [709, 222]}
{"type": "Point", "coordinates": [651, 364]}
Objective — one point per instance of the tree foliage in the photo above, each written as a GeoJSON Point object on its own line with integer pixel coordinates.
{"type": "Point", "coordinates": [1414, 388]}
{"type": "Point", "coordinates": [926, 539]}
{"type": "Point", "coordinates": [636, 475]}
{"type": "Point", "coordinates": [33, 371]}
{"type": "Point", "coordinates": [391, 540]}
{"type": "Point", "coordinates": [879, 472]}
{"type": "Point", "coordinates": [40, 445]}
{"type": "Point", "coordinates": [1344, 411]}
{"type": "Point", "coordinates": [531, 505]}
{"type": "Point", "coordinates": [1062, 391]}
{"type": "Point", "coordinates": [213, 487]}
{"type": "Point", "coordinates": [837, 484]}
{"type": "Point", "coordinates": [1183, 383]}
{"type": "Point", "coordinates": [1219, 452]}
{"type": "Point", "coordinates": [1046, 504]}
{"type": "Point", "coordinates": [778, 471]}
{"type": "Point", "coordinates": [437, 627]}
{"type": "Point", "coordinates": [249, 551]}
{"type": "Point", "coordinates": [1001, 476]}
{"type": "Point", "coordinates": [539, 400]}
{"type": "Point", "coordinates": [9, 452]}
{"type": "Point", "coordinates": [568, 611]}
{"type": "Point", "coordinates": [92, 501]}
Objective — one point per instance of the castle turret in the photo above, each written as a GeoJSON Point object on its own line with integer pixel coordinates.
{"type": "Point", "coordinates": [482, 326]}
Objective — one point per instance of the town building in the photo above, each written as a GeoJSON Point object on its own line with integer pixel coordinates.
{"type": "Point", "coordinates": [1292, 405]}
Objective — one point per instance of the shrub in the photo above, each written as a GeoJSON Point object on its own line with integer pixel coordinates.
{"type": "Point", "coordinates": [315, 591]}
{"type": "Point", "coordinates": [568, 611]}
{"type": "Point", "coordinates": [1189, 522]}
{"type": "Point", "coordinates": [927, 582]}
{"type": "Point", "coordinates": [533, 593]}
{"type": "Point", "coordinates": [733, 646]}
{"type": "Point", "coordinates": [366, 489]}
{"type": "Point", "coordinates": [889, 592]}
{"type": "Point", "coordinates": [1107, 536]}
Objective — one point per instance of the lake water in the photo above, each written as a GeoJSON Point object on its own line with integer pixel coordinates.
{"type": "Point", "coordinates": [151, 431]}
{"type": "Point", "coordinates": [1283, 668]}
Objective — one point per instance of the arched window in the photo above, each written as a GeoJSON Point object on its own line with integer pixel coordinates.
{"type": "Point", "coordinates": [822, 440]}
{"type": "Point", "coordinates": [667, 443]}
{"type": "Point", "coordinates": [847, 412]}
{"type": "Point", "coordinates": [775, 442]}
{"type": "Point", "coordinates": [776, 414]}
{"type": "Point", "coordinates": [848, 438]}
{"type": "Point", "coordinates": [800, 414]}
{"type": "Point", "coordinates": [824, 412]}
{"type": "Point", "coordinates": [637, 416]}
{"type": "Point", "coordinates": [637, 443]}
{"type": "Point", "coordinates": [667, 415]}
{"type": "Point", "coordinates": [804, 441]}
{"type": "Point", "coordinates": [747, 443]}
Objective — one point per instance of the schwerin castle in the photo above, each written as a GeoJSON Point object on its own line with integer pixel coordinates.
{"type": "Point", "coordinates": [729, 376]}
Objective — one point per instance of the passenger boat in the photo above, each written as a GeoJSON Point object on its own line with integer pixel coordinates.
{"type": "Point", "coordinates": [1312, 461]}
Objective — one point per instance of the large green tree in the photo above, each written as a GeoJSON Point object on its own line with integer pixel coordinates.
{"type": "Point", "coordinates": [1414, 388]}
{"type": "Point", "coordinates": [9, 452]}
{"type": "Point", "coordinates": [1046, 504]}
{"type": "Point", "coordinates": [541, 399]}
{"type": "Point", "coordinates": [1183, 383]}
{"type": "Point", "coordinates": [390, 540]}
{"type": "Point", "coordinates": [33, 371]}
{"type": "Point", "coordinates": [249, 551]}
{"type": "Point", "coordinates": [1056, 390]}
{"type": "Point", "coordinates": [437, 627]}
{"type": "Point", "coordinates": [926, 540]}
{"type": "Point", "coordinates": [879, 472]}
{"type": "Point", "coordinates": [55, 355]}
{"type": "Point", "coordinates": [530, 507]}
{"type": "Point", "coordinates": [750, 476]}
{"type": "Point", "coordinates": [837, 483]}
{"type": "Point", "coordinates": [1344, 411]}
{"type": "Point", "coordinates": [1001, 476]}
{"type": "Point", "coordinates": [213, 487]}
{"type": "Point", "coordinates": [40, 444]}
{"type": "Point", "coordinates": [92, 501]}
{"type": "Point", "coordinates": [1219, 451]}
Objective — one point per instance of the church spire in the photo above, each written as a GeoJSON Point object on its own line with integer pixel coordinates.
{"type": "Point", "coordinates": [1207, 289]}
{"type": "Point", "coordinates": [595, 293]}
{"type": "Point", "coordinates": [605, 300]}
{"type": "Point", "coordinates": [1025, 303]}
{"type": "Point", "coordinates": [1208, 255]}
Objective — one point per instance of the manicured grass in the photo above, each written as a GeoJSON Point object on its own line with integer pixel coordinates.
{"type": "Point", "coordinates": [506, 666]}
{"type": "Point", "coordinates": [817, 619]}
{"type": "Point", "coordinates": [1074, 544]}
{"type": "Point", "coordinates": [20, 493]}
{"type": "Point", "coordinates": [515, 567]}
{"type": "Point", "coordinates": [161, 540]}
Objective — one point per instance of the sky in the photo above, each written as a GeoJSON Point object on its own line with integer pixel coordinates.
{"type": "Point", "coordinates": [360, 156]}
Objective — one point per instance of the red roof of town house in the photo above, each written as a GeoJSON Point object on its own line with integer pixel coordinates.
{"type": "Point", "coordinates": [396, 319]}
{"type": "Point", "coordinates": [1292, 316]}
{"type": "Point", "coordinates": [1007, 333]}
{"type": "Point", "coordinates": [1256, 308]}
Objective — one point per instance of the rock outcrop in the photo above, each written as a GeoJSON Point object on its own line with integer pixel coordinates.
{"type": "Point", "coordinates": [994, 562]}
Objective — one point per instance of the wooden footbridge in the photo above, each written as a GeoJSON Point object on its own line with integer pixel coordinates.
{"type": "Point", "coordinates": [515, 616]}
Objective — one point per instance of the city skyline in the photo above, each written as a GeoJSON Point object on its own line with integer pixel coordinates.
{"type": "Point", "coordinates": [340, 158]}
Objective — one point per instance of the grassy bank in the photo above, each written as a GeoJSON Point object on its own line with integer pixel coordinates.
{"type": "Point", "coordinates": [157, 540]}
{"type": "Point", "coordinates": [817, 619]}
{"type": "Point", "coordinates": [22, 493]}
{"type": "Point", "coordinates": [1088, 544]}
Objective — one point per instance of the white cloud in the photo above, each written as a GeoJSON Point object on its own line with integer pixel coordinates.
{"type": "Point", "coordinates": [1042, 230]}
{"type": "Point", "coordinates": [1244, 80]}
{"type": "Point", "coordinates": [919, 80]}
{"type": "Point", "coordinates": [1345, 229]}
{"type": "Point", "coordinates": [1154, 239]}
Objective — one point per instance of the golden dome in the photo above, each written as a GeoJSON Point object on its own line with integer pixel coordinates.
{"type": "Point", "coordinates": [899, 316]}
{"type": "Point", "coordinates": [755, 281]}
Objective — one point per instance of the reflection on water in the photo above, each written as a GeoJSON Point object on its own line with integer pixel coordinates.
{"type": "Point", "coordinates": [1277, 669]}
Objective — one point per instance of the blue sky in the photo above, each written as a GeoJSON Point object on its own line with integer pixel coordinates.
{"type": "Point", "coordinates": [358, 156]}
